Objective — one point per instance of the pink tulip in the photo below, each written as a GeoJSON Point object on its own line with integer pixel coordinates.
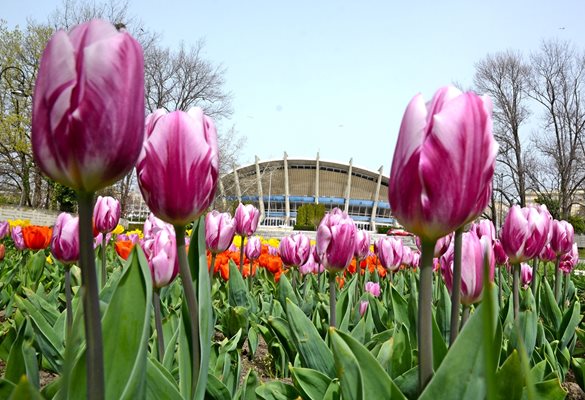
{"type": "Point", "coordinates": [246, 217]}
{"type": "Point", "coordinates": [88, 106]}
{"type": "Point", "coordinates": [440, 247]}
{"type": "Point", "coordinates": [294, 250]}
{"type": "Point", "coordinates": [373, 288]}
{"type": "Point", "coordinates": [525, 274]}
{"type": "Point", "coordinates": [253, 248]}
{"type": "Point", "coordinates": [106, 214]}
{"type": "Point", "coordinates": [499, 253]}
{"type": "Point", "coordinates": [407, 255]}
{"type": "Point", "coordinates": [547, 253]}
{"type": "Point", "coordinates": [179, 165]}
{"type": "Point", "coordinates": [219, 231]}
{"type": "Point", "coordinates": [390, 253]}
{"type": "Point", "coordinates": [4, 229]}
{"type": "Point", "coordinates": [485, 227]}
{"type": "Point", "coordinates": [161, 253]}
{"type": "Point", "coordinates": [363, 307]}
{"type": "Point", "coordinates": [336, 237]}
{"type": "Point", "coordinates": [273, 251]}
{"type": "Point", "coordinates": [524, 233]}
{"type": "Point", "coordinates": [65, 238]}
{"type": "Point", "coordinates": [415, 260]}
{"type": "Point", "coordinates": [569, 260]}
{"type": "Point", "coordinates": [153, 225]}
{"type": "Point", "coordinates": [362, 244]}
{"type": "Point", "coordinates": [473, 251]}
{"type": "Point", "coordinates": [17, 237]}
{"type": "Point", "coordinates": [443, 163]}
{"type": "Point", "coordinates": [97, 241]}
{"type": "Point", "coordinates": [562, 238]}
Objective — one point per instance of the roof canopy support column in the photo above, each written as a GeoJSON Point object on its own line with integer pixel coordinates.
{"type": "Point", "coordinates": [317, 180]}
{"type": "Point", "coordinates": [222, 194]}
{"type": "Point", "coordinates": [237, 181]}
{"type": "Point", "coordinates": [376, 195]}
{"type": "Point", "coordinates": [260, 194]}
{"type": "Point", "coordinates": [348, 187]}
{"type": "Point", "coordinates": [286, 192]}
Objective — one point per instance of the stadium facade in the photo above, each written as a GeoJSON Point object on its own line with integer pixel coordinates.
{"type": "Point", "coordinates": [279, 187]}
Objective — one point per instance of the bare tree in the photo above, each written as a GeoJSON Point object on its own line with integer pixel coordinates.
{"type": "Point", "coordinates": [504, 77]}
{"type": "Point", "coordinates": [558, 85]}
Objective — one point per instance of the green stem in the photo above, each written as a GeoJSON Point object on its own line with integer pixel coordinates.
{"type": "Point", "coordinates": [91, 301]}
{"type": "Point", "coordinates": [500, 299]}
{"type": "Point", "coordinates": [242, 254]}
{"type": "Point", "coordinates": [534, 275]}
{"type": "Point", "coordinates": [319, 276]}
{"type": "Point", "coordinates": [488, 334]}
{"type": "Point", "coordinates": [332, 298]}
{"type": "Point", "coordinates": [558, 280]}
{"type": "Point", "coordinates": [158, 323]}
{"type": "Point", "coordinates": [104, 243]}
{"type": "Point", "coordinates": [456, 290]}
{"type": "Point", "coordinates": [68, 305]}
{"type": "Point", "coordinates": [212, 269]}
{"type": "Point", "coordinates": [464, 315]}
{"type": "Point", "coordinates": [305, 284]}
{"type": "Point", "coordinates": [251, 277]}
{"type": "Point", "coordinates": [566, 289]}
{"type": "Point", "coordinates": [515, 289]}
{"type": "Point", "coordinates": [191, 300]}
{"type": "Point", "coordinates": [425, 332]}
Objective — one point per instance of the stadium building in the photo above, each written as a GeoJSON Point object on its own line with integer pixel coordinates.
{"type": "Point", "coordinates": [279, 187]}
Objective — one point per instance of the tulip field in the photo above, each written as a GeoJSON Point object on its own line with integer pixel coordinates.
{"type": "Point", "coordinates": [197, 305]}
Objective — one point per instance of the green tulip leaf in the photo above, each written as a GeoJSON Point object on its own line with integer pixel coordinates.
{"type": "Point", "coordinates": [237, 288]}
{"type": "Point", "coordinates": [360, 375]}
{"type": "Point", "coordinates": [311, 383]}
{"type": "Point", "coordinates": [160, 384]}
{"type": "Point", "coordinates": [569, 323]}
{"type": "Point", "coordinates": [311, 348]}
{"type": "Point", "coordinates": [216, 390]}
{"type": "Point", "coordinates": [509, 378]}
{"type": "Point", "coordinates": [25, 391]}
{"type": "Point", "coordinates": [276, 390]}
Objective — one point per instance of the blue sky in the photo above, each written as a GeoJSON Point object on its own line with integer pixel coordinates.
{"type": "Point", "coordinates": [336, 76]}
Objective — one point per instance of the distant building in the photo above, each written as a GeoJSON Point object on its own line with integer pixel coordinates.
{"type": "Point", "coordinates": [279, 187]}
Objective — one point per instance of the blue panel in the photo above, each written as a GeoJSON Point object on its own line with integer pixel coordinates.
{"type": "Point", "coordinates": [332, 200]}
{"type": "Point", "coordinates": [360, 218]}
{"type": "Point", "coordinates": [275, 214]}
{"type": "Point", "coordinates": [302, 199]}
{"type": "Point", "coordinates": [386, 220]}
{"type": "Point", "coordinates": [383, 205]}
{"type": "Point", "coordinates": [365, 203]}
{"type": "Point", "coordinates": [274, 198]}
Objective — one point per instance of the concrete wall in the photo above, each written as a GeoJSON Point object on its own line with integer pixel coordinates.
{"type": "Point", "coordinates": [36, 216]}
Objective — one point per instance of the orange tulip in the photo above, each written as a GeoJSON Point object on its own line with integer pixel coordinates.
{"type": "Point", "coordinates": [123, 248]}
{"type": "Point", "coordinates": [36, 237]}
{"type": "Point", "coordinates": [2, 251]}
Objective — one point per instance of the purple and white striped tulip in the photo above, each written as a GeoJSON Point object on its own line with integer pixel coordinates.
{"type": "Point", "coordinates": [253, 248]}
{"type": "Point", "coordinates": [524, 234]}
{"type": "Point", "coordinates": [246, 217]}
{"type": "Point", "coordinates": [443, 164]}
{"type": "Point", "coordinates": [295, 250]}
{"type": "Point", "coordinates": [373, 288]}
{"type": "Point", "coordinates": [4, 229]}
{"type": "Point", "coordinates": [106, 214]}
{"type": "Point", "coordinates": [17, 237]}
{"type": "Point", "coordinates": [569, 260]}
{"type": "Point", "coordinates": [562, 238]}
{"type": "Point", "coordinates": [180, 153]}
{"type": "Point", "coordinates": [88, 106]}
{"type": "Point", "coordinates": [485, 227]}
{"type": "Point", "coordinates": [336, 237]}
{"type": "Point", "coordinates": [525, 274]}
{"type": "Point", "coordinates": [362, 244]}
{"type": "Point", "coordinates": [161, 253]}
{"type": "Point", "coordinates": [390, 253]}
{"type": "Point", "coordinates": [473, 251]}
{"type": "Point", "coordinates": [219, 231]}
{"type": "Point", "coordinates": [65, 238]}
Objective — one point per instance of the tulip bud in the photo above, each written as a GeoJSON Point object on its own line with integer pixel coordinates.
{"type": "Point", "coordinates": [485, 227]}
{"type": "Point", "coordinates": [362, 244]}
{"type": "Point", "coordinates": [390, 253]}
{"type": "Point", "coordinates": [88, 106]}
{"type": "Point", "coordinates": [373, 288]}
{"type": "Point", "coordinates": [153, 225]}
{"type": "Point", "coordinates": [65, 238]}
{"type": "Point", "coordinates": [336, 240]}
{"type": "Point", "coordinates": [219, 231]}
{"type": "Point", "coordinates": [253, 248]}
{"type": "Point", "coordinates": [525, 274]}
{"type": "Point", "coordinates": [569, 260]}
{"type": "Point", "coordinates": [440, 247]}
{"type": "Point", "coordinates": [443, 163]}
{"type": "Point", "coordinates": [295, 250]}
{"type": "Point", "coordinates": [2, 251]}
{"type": "Point", "coordinates": [547, 253]}
{"type": "Point", "coordinates": [499, 253]}
{"type": "Point", "coordinates": [246, 217]}
{"type": "Point", "coordinates": [179, 165]}
{"type": "Point", "coordinates": [106, 214]}
{"type": "Point", "coordinates": [363, 307]}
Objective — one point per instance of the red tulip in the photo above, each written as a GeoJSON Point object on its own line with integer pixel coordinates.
{"type": "Point", "coordinates": [36, 237]}
{"type": "Point", "coordinates": [179, 165]}
{"type": "Point", "coordinates": [88, 106]}
{"type": "Point", "coordinates": [443, 163]}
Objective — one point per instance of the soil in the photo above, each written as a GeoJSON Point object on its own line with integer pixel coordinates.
{"type": "Point", "coordinates": [574, 391]}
